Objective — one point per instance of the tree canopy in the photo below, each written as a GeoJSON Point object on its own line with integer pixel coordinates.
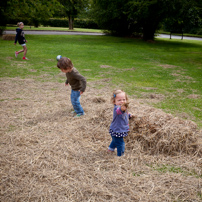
{"type": "Point", "coordinates": [71, 9]}
{"type": "Point", "coordinates": [128, 17]}
{"type": "Point", "coordinates": [120, 17]}
{"type": "Point", "coordinates": [186, 16]}
{"type": "Point", "coordinates": [31, 11]}
{"type": "Point", "coordinates": [36, 11]}
{"type": "Point", "coordinates": [3, 6]}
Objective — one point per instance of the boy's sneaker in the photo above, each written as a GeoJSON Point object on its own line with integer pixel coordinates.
{"type": "Point", "coordinates": [78, 115]}
{"type": "Point", "coordinates": [24, 58]}
{"type": "Point", "coordinates": [16, 54]}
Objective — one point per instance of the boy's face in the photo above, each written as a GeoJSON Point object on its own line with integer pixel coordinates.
{"type": "Point", "coordinates": [120, 99]}
{"type": "Point", "coordinates": [66, 70]}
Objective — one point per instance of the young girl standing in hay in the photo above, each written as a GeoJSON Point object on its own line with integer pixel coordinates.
{"type": "Point", "coordinates": [120, 124]}
{"type": "Point", "coordinates": [20, 37]}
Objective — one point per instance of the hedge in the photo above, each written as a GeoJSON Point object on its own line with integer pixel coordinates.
{"type": "Point", "coordinates": [79, 23]}
{"type": "Point", "coordinates": [55, 22]}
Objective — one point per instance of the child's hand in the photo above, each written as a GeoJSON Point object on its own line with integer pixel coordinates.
{"type": "Point", "coordinates": [81, 92]}
{"type": "Point", "coordinates": [66, 84]}
{"type": "Point", "coordinates": [124, 106]}
{"type": "Point", "coordinates": [131, 116]}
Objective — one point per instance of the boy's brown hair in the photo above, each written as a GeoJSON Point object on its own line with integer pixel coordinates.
{"type": "Point", "coordinates": [65, 63]}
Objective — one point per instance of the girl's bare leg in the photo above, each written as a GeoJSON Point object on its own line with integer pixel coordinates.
{"type": "Point", "coordinates": [25, 50]}
{"type": "Point", "coordinates": [21, 51]}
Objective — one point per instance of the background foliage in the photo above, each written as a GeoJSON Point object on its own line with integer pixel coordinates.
{"type": "Point", "coordinates": [31, 11]}
{"type": "Point", "coordinates": [120, 17]}
{"type": "Point", "coordinates": [81, 23]}
{"type": "Point", "coordinates": [132, 17]}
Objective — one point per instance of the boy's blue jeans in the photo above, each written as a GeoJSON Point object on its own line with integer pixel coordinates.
{"type": "Point", "coordinates": [117, 142]}
{"type": "Point", "coordinates": [75, 100]}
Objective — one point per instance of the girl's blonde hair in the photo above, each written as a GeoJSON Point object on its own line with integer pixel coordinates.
{"type": "Point", "coordinates": [19, 23]}
{"type": "Point", "coordinates": [115, 92]}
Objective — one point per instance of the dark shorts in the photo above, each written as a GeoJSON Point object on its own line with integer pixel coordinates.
{"type": "Point", "coordinates": [115, 134]}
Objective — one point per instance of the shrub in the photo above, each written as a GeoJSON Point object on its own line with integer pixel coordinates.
{"type": "Point", "coordinates": [80, 23]}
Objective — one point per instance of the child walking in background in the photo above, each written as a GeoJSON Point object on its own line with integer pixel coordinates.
{"type": "Point", "coordinates": [76, 81]}
{"type": "Point", "coordinates": [20, 37]}
{"type": "Point", "coordinates": [120, 124]}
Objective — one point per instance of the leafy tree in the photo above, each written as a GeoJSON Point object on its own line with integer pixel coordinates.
{"type": "Point", "coordinates": [71, 9]}
{"type": "Point", "coordinates": [111, 15]}
{"type": "Point", "coordinates": [185, 16]}
{"type": "Point", "coordinates": [126, 17]}
{"type": "Point", "coordinates": [3, 6]}
{"type": "Point", "coordinates": [148, 14]}
{"type": "Point", "coordinates": [31, 11]}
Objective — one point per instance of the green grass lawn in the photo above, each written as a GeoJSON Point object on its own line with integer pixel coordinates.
{"type": "Point", "coordinates": [169, 69]}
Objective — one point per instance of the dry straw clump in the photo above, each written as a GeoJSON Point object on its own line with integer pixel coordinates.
{"type": "Point", "coordinates": [8, 37]}
{"type": "Point", "coordinates": [159, 132]}
{"type": "Point", "coordinates": [47, 155]}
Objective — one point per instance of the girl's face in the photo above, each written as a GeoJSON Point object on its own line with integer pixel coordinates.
{"type": "Point", "coordinates": [21, 26]}
{"type": "Point", "coordinates": [120, 99]}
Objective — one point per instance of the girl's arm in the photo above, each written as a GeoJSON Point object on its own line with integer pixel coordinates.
{"type": "Point", "coordinates": [119, 109]}
{"type": "Point", "coordinates": [124, 108]}
{"type": "Point", "coordinates": [17, 36]}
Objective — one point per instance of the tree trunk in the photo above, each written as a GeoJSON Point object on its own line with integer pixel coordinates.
{"type": "Point", "coordinates": [2, 30]}
{"type": "Point", "coordinates": [71, 22]}
{"type": "Point", "coordinates": [149, 29]}
{"type": "Point", "coordinates": [148, 32]}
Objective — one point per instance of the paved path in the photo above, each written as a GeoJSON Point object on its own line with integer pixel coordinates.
{"type": "Point", "coordinates": [177, 37]}
{"type": "Point", "coordinates": [54, 33]}
{"type": "Point", "coordinates": [27, 32]}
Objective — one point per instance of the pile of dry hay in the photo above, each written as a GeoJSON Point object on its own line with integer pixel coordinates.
{"type": "Point", "coordinates": [47, 155]}
{"type": "Point", "coordinates": [159, 132]}
{"type": "Point", "coordinates": [8, 37]}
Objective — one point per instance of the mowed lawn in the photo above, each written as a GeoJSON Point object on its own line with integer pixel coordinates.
{"type": "Point", "coordinates": [166, 73]}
